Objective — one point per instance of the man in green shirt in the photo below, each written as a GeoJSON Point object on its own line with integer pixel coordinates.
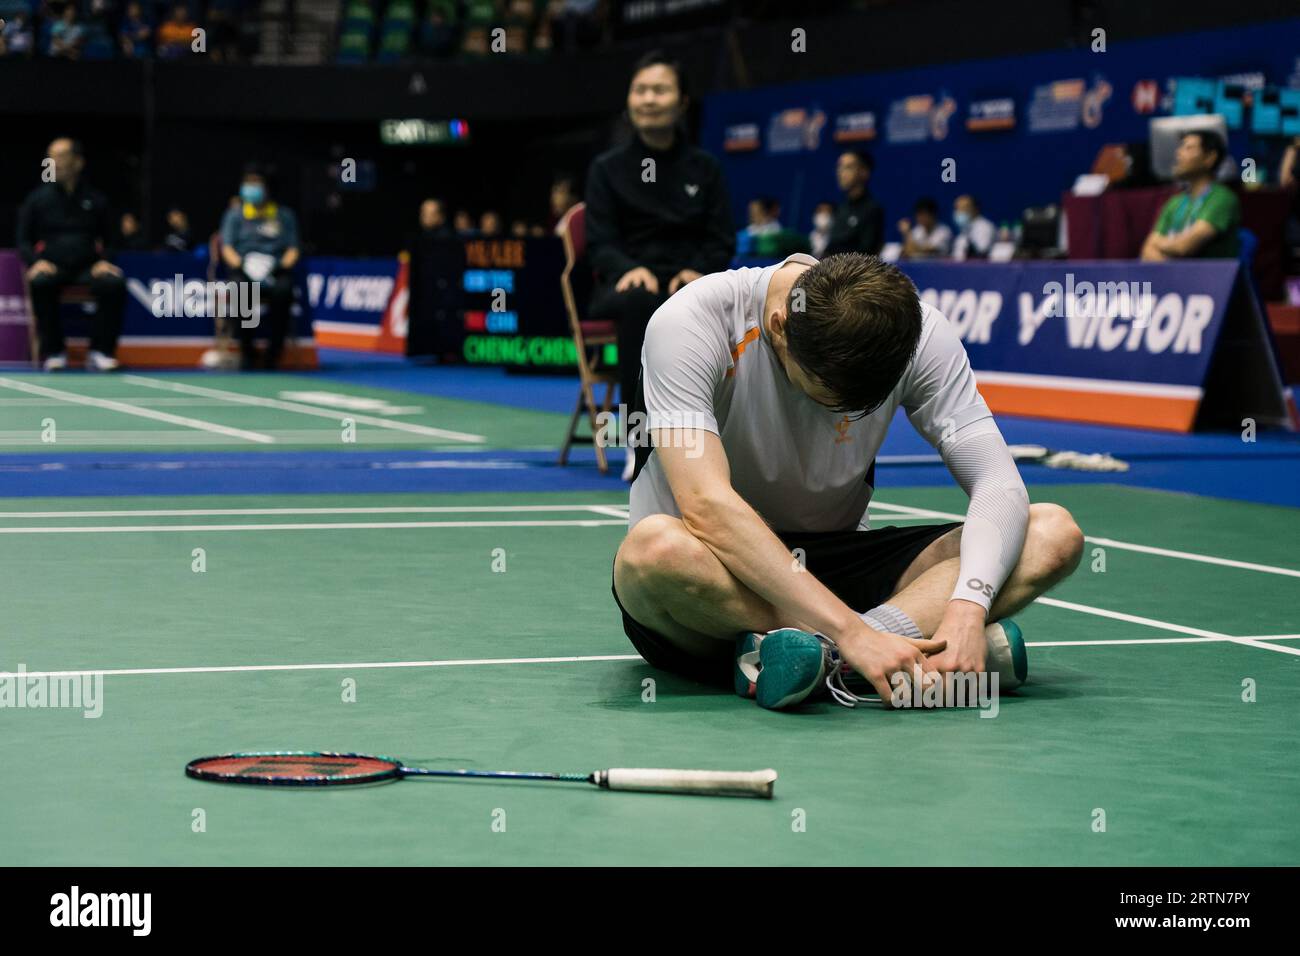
{"type": "Point", "coordinates": [1202, 220]}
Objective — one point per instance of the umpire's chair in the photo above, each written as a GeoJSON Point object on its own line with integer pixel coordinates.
{"type": "Point", "coordinates": [589, 341]}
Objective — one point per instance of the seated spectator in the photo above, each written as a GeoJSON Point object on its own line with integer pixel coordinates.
{"type": "Point", "coordinates": [644, 242]}
{"type": "Point", "coordinates": [223, 32]}
{"type": "Point", "coordinates": [564, 196]}
{"type": "Point", "coordinates": [975, 233]}
{"type": "Point", "coordinates": [518, 22]}
{"type": "Point", "coordinates": [133, 32]}
{"type": "Point", "coordinates": [176, 35]}
{"type": "Point", "coordinates": [178, 231]}
{"type": "Point", "coordinates": [433, 220]}
{"type": "Point", "coordinates": [927, 238]}
{"type": "Point", "coordinates": [100, 12]}
{"type": "Point", "coordinates": [544, 32]}
{"type": "Point", "coordinates": [259, 243]}
{"type": "Point", "coordinates": [65, 238]}
{"type": "Point", "coordinates": [463, 224]}
{"type": "Point", "coordinates": [16, 39]}
{"type": "Point", "coordinates": [1289, 175]}
{"type": "Point", "coordinates": [438, 32]}
{"type": "Point", "coordinates": [67, 35]}
{"type": "Point", "coordinates": [480, 17]}
{"type": "Point", "coordinates": [489, 224]}
{"type": "Point", "coordinates": [823, 218]}
{"type": "Point", "coordinates": [1202, 220]}
{"type": "Point", "coordinates": [132, 239]}
{"type": "Point", "coordinates": [763, 221]}
{"type": "Point", "coordinates": [518, 229]}
{"type": "Point", "coordinates": [580, 24]}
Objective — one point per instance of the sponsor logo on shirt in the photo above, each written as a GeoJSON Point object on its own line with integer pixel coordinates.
{"type": "Point", "coordinates": [842, 430]}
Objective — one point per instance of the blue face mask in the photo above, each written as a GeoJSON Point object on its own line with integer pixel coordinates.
{"type": "Point", "coordinates": [252, 193]}
{"type": "Point", "coordinates": [962, 219]}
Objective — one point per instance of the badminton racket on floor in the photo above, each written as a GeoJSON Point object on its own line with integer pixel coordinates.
{"type": "Point", "coordinates": [323, 769]}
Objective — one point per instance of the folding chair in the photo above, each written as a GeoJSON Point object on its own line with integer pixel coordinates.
{"type": "Point", "coordinates": [589, 341]}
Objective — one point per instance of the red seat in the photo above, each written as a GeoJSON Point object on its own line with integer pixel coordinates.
{"type": "Point", "coordinates": [589, 341]}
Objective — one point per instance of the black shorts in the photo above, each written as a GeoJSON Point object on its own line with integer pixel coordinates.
{"type": "Point", "coordinates": [861, 568]}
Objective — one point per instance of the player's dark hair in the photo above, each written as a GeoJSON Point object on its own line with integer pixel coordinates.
{"type": "Point", "coordinates": [1211, 142]}
{"type": "Point", "coordinates": [857, 330]}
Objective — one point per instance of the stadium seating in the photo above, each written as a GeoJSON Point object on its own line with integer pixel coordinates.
{"type": "Point", "coordinates": [356, 32]}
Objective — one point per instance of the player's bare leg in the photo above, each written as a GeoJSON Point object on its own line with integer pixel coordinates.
{"type": "Point", "coordinates": [1053, 546]}
{"type": "Point", "coordinates": [670, 581]}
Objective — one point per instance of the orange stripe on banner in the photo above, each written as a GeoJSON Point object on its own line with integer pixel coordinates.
{"type": "Point", "coordinates": [1106, 408]}
{"type": "Point", "coordinates": [171, 356]}
{"type": "Point", "coordinates": [738, 349]}
{"type": "Point", "coordinates": [346, 340]}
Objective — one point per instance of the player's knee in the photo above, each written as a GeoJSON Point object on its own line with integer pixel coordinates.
{"type": "Point", "coordinates": [1057, 541]}
{"type": "Point", "coordinates": [659, 550]}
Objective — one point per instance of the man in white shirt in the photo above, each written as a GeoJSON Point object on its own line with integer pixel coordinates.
{"type": "Point", "coordinates": [927, 237]}
{"type": "Point", "coordinates": [768, 393]}
{"type": "Point", "coordinates": [975, 234]}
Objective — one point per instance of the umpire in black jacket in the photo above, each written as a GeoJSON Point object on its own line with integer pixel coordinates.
{"type": "Point", "coordinates": [64, 235]}
{"type": "Point", "coordinates": [658, 215]}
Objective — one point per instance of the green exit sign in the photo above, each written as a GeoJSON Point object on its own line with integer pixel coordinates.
{"type": "Point", "coordinates": [422, 132]}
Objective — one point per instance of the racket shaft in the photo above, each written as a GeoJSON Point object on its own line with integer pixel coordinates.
{"type": "Point", "coordinates": [715, 783]}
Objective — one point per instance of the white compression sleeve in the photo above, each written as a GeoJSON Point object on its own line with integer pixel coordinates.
{"type": "Point", "coordinates": [998, 515]}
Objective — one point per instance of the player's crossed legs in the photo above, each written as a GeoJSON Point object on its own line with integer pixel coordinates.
{"type": "Point", "coordinates": [681, 595]}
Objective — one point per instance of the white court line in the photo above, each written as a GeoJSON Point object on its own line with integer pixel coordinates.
{"type": "Point", "coordinates": [1151, 640]}
{"type": "Point", "coordinates": [389, 510]}
{"type": "Point", "coordinates": [471, 662]}
{"type": "Point", "coordinates": [333, 414]}
{"type": "Point", "coordinates": [1112, 543]}
{"type": "Point", "coordinates": [135, 410]}
{"type": "Point", "coordinates": [144, 401]}
{"type": "Point", "coordinates": [1164, 625]}
{"type": "Point", "coordinates": [365, 665]}
{"type": "Point", "coordinates": [613, 510]}
{"type": "Point", "coordinates": [311, 526]}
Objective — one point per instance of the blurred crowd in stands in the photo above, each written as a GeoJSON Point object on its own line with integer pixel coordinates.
{"type": "Point", "coordinates": [359, 31]}
{"type": "Point", "coordinates": [129, 29]}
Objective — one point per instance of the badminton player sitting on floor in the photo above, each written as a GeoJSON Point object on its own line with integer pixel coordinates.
{"type": "Point", "coordinates": [748, 561]}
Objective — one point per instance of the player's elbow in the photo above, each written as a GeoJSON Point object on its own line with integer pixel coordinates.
{"type": "Point", "coordinates": [706, 515]}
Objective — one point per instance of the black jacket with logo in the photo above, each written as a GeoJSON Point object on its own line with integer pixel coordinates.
{"type": "Point", "coordinates": [76, 227]}
{"type": "Point", "coordinates": [858, 226]}
{"type": "Point", "coordinates": [681, 220]}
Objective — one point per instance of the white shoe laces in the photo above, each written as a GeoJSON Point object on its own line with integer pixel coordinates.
{"type": "Point", "coordinates": [835, 680]}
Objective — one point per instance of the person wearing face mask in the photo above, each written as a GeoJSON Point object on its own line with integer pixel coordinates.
{"type": "Point", "coordinates": [259, 243]}
{"type": "Point", "coordinates": [975, 234]}
{"type": "Point", "coordinates": [658, 216]}
{"type": "Point", "coordinates": [823, 219]}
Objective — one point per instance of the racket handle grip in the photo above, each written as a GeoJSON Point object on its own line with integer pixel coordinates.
{"type": "Point", "coordinates": [711, 783]}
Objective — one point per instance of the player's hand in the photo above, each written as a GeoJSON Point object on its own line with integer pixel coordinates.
{"type": "Point", "coordinates": [640, 277]}
{"type": "Point", "coordinates": [878, 656]}
{"type": "Point", "coordinates": [41, 267]}
{"type": "Point", "coordinates": [683, 277]}
{"type": "Point", "coordinates": [962, 628]}
{"type": "Point", "coordinates": [104, 268]}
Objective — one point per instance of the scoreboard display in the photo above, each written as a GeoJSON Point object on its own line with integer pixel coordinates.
{"type": "Point", "coordinates": [510, 310]}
